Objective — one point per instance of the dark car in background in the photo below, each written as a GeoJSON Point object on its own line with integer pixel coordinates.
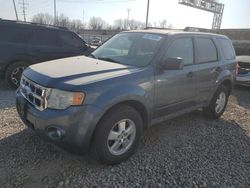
{"type": "Point", "coordinates": [96, 42]}
{"type": "Point", "coordinates": [23, 44]}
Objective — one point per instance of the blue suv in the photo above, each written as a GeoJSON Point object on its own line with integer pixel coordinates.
{"type": "Point", "coordinates": [133, 81]}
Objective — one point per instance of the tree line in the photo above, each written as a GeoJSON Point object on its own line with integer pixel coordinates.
{"type": "Point", "coordinates": [95, 23]}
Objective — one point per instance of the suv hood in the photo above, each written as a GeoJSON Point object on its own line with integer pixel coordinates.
{"type": "Point", "coordinates": [78, 70]}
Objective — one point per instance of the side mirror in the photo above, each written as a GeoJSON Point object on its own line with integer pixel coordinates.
{"type": "Point", "coordinates": [172, 64]}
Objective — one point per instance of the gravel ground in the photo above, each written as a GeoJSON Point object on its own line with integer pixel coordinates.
{"type": "Point", "coordinates": [189, 151]}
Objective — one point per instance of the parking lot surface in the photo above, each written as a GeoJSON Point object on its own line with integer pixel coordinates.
{"type": "Point", "coordinates": [189, 151]}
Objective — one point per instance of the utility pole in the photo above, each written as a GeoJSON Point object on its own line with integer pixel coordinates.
{"type": "Point", "coordinates": [23, 6]}
{"type": "Point", "coordinates": [14, 4]}
{"type": "Point", "coordinates": [55, 17]}
{"type": "Point", "coordinates": [147, 14]}
{"type": "Point", "coordinates": [128, 10]}
{"type": "Point", "coordinates": [24, 14]}
{"type": "Point", "coordinates": [83, 16]}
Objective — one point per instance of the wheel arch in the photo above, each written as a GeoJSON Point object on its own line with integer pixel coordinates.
{"type": "Point", "coordinates": [137, 105]}
{"type": "Point", "coordinates": [21, 59]}
{"type": "Point", "coordinates": [228, 84]}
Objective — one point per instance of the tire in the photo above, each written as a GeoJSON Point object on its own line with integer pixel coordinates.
{"type": "Point", "coordinates": [14, 72]}
{"type": "Point", "coordinates": [113, 148]}
{"type": "Point", "coordinates": [213, 110]}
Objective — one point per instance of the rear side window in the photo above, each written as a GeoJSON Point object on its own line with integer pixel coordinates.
{"type": "Point", "coordinates": [14, 34]}
{"type": "Point", "coordinates": [182, 48]}
{"type": "Point", "coordinates": [227, 49]}
{"type": "Point", "coordinates": [206, 50]}
{"type": "Point", "coordinates": [44, 37]}
{"type": "Point", "coordinates": [68, 39]}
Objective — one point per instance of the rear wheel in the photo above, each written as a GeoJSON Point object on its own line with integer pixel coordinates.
{"type": "Point", "coordinates": [14, 72]}
{"type": "Point", "coordinates": [117, 135]}
{"type": "Point", "coordinates": [218, 103]}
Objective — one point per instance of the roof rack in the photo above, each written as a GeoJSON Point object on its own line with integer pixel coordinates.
{"type": "Point", "coordinates": [33, 23]}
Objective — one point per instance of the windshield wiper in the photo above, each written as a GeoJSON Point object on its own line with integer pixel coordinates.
{"type": "Point", "coordinates": [91, 55]}
{"type": "Point", "coordinates": [109, 59]}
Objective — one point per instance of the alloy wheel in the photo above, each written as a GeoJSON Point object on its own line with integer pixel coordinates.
{"type": "Point", "coordinates": [121, 137]}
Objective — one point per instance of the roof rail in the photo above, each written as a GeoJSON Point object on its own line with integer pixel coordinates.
{"type": "Point", "coordinates": [197, 29]}
{"type": "Point", "coordinates": [33, 23]}
{"type": "Point", "coordinates": [158, 28]}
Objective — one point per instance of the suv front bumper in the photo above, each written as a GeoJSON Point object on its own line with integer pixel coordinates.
{"type": "Point", "coordinates": [76, 124]}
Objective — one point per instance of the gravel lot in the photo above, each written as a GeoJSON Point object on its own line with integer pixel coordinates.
{"type": "Point", "coordinates": [189, 151]}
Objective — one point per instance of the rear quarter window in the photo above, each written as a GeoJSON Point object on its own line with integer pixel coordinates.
{"type": "Point", "coordinates": [206, 50]}
{"type": "Point", "coordinates": [227, 49]}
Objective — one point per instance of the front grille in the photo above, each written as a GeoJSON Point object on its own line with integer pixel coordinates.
{"type": "Point", "coordinates": [34, 93]}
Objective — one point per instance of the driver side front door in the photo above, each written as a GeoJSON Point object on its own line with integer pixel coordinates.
{"type": "Point", "coordinates": [175, 89]}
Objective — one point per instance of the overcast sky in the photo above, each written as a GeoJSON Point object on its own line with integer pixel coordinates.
{"type": "Point", "coordinates": [236, 13]}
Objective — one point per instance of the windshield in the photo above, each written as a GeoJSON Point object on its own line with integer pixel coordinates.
{"type": "Point", "coordinates": [136, 49]}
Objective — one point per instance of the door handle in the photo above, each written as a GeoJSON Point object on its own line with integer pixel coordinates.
{"type": "Point", "coordinates": [190, 74]}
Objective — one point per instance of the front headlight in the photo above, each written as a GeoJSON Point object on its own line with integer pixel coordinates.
{"type": "Point", "coordinates": [59, 99]}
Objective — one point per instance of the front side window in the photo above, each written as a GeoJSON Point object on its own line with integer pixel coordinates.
{"type": "Point", "coordinates": [136, 49]}
{"type": "Point", "coordinates": [182, 48]}
{"type": "Point", "coordinates": [69, 40]}
{"type": "Point", "coordinates": [44, 38]}
{"type": "Point", "coordinates": [206, 50]}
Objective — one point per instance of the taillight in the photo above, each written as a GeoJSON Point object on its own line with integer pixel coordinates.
{"type": "Point", "coordinates": [237, 69]}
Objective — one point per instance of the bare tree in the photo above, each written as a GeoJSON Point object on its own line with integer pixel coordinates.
{"type": "Point", "coordinates": [77, 25]}
{"type": "Point", "coordinates": [163, 23]}
{"type": "Point", "coordinates": [96, 23]}
{"type": "Point", "coordinates": [120, 24]}
{"type": "Point", "coordinates": [63, 21]}
{"type": "Point", "coordinates": [43, 18]}
{"type": "Point", "coordinates": [132, 24]}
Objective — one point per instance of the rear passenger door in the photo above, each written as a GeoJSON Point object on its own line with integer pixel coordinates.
{"type": "Point", "coordinates": [175, 89]}
{"type": "Point", "coordinates": [44, 45]}
{"type": "Point", "coordinates": [207, 67]}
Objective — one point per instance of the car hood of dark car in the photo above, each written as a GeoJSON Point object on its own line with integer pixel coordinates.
{"type": "Point", "coordinates": [78, 70]}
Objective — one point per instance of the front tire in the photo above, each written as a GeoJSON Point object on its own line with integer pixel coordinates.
{"type": "Point", "coordinates": [117, 135]}
{"type": "Point", "coordinates": [218, 104]}
{"type": "Point", "coordinates": [14, 72]}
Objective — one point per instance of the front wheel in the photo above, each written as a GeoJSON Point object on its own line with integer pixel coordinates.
{"type": "Point", "coordinates": [117, 135]}
{"type": "Point", "coordinates": [218, 104]}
